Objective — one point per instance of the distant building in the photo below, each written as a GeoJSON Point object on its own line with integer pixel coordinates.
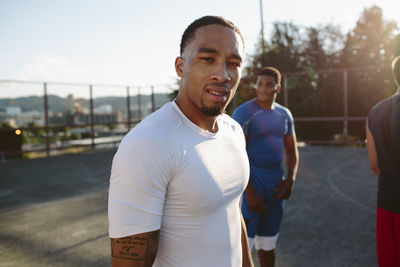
{"type": "Point", "coordinates": [70, 103]}
{"type": "Point", "coordinates": [22, 119]}
{"type": "Point", "coordinates": [106, 108]}
{"type": "Point", "coordinates": [62, 119]}
{"type": "Point", "coordinates": [13, 111]}
{"type": "Point", "coordinates": [76, 119]}
{"type": "Point", "coordinates": [99, 118]}
{"type": "Point", "coordinates": [79, 106]}
{"type": "Point", "coordinates": [26, 118]}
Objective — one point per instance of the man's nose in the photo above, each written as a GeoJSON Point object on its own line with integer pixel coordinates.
{"type": "Point", "coordinates": [221, 73]}
{"type": "Point", "coordinates": [268, 87]}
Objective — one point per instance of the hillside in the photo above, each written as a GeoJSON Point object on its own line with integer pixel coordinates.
{"type": "Point", "coordinates": [57, 104]}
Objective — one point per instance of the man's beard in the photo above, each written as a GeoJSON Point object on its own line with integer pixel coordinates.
{"type": "Point", "coordinates": [212, 111]}
{"type": "Point", "coordinates": [216, 110]}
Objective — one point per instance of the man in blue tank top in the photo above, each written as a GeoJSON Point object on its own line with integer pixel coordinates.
{"type": "Point", "coordinates": [383, 138]}
{"type": "Point", "coordinates": [270, 134]}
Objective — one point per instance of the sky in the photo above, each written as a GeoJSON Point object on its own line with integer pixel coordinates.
{"type": "Point", "coordinates": [135, 42]}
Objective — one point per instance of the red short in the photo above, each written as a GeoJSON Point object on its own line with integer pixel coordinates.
{"type": "Point", "coordinates": [388, 238]}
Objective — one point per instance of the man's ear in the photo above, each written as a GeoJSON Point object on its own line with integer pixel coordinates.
{"type": "Point", "coordinates": [278, 89]}
{"type": "Point", "coordinates": [179, 66]}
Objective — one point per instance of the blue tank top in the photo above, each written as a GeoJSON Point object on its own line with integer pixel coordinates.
{"type": "Point", "coordinates": [265, 130]}
{"type": "Point", "coordinates": [384, 124]}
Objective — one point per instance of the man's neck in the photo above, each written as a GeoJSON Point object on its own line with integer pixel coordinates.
{"type": "Point", "coordinates": [265, 105]}
{"type": "Point", "coordinates": [198, 117]}
{"type": "Point", "coordinates": [208, 123]}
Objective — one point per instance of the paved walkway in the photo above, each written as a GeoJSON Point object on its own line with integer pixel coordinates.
{"type": "Point", "coordinates": [54, 211]}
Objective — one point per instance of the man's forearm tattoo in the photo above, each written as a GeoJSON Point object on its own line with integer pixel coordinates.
{"type": "Point", "coordinates": [141, 247]}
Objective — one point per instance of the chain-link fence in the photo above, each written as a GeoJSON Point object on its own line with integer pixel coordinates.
{"type": "Point", "coordinates": [54, 116]}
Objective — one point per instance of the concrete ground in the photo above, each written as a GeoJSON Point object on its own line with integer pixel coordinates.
{"type": "Point", "coordinates": [54, 211]}
{"type": "Point", "coordinates": [330, 219]}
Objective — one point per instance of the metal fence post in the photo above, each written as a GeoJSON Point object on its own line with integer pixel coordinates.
{"type": "Point", "coordinates": [285, 92]}
{"type": "Point", "coordinates": [128, 107]}
{"type": "Point", "coordinates": [91, 117]}
{"type": "Point", "coordinates": [153, 104]}
{"type": "Point", "coordinates": [345, 109]}
{"type": "Point", "coordinates": [139, 104]}
{"type": "Point", "coordinates": [46, 120]}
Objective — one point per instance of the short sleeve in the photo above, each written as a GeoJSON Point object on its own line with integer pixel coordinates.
{"type": "Point", "coordinates": [290, 123]}
{"type": "Point", "coordinates": [139, 178]}
{"type": "Point", "coordinates": [241, 117]}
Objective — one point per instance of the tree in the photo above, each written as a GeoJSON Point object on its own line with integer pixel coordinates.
{"type": "Point", "coordinates": [309, 59]}
{"type": "Point", "coordinates": [371, 42]}
{"type": "Point", "coordinates": [298, 49]}
{"type": "Point", "coordinates": [282, 52]}
{"type": "Point", "coordinates": [370, 47]}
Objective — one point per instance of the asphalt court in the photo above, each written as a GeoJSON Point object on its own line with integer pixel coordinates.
{"type": "Point", "coordinates": [54, 211]}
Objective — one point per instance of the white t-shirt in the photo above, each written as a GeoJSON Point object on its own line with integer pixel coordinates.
{"type": "Point", "coordinates": [172, 175]}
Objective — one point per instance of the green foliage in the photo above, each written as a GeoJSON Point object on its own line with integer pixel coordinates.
{"type": "Point", "coordinates": [5, 125]}
{"type": "Point", "coordinates": [111, 126]}
{"type": "Point", "coordinates": [304, 54]}
{"type": "Point", "coordinates": [76, 136]}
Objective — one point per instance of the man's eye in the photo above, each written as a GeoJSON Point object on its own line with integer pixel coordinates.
{"type": "Point", "coordinates": [234, 64]}
{"type": "Point", "coordinates": [208, 59]}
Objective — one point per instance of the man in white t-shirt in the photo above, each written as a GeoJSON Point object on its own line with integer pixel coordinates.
{"type": "Point", "coordinates": [178, 176]}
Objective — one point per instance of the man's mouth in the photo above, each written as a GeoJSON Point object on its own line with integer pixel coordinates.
{"type": "Point", "coordinates": [217, 93]}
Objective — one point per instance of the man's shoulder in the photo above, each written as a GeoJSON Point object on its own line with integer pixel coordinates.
{"type": "Point", "coordinates": [230, 129]}
{"type": "Point", "coordinates": [156, 127]}
{"type": "Point", "coordinates": [282, 109]}
{"type": "Point", "coordinates": [383, 105]}
{"type": "Point", "coordinates": [232, 123]}
{"type": "Point", "coordinates": [246, 105]}
{"type": "Point", "coordinates": [245, 109]}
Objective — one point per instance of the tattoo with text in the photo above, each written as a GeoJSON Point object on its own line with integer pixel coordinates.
{"type": "Point", "coordinates": [140, 247]}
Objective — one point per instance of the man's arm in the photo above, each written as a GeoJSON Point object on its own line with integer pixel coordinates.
{"type": "Point", "coordinates": [292, 161]}
{"type": "Point", "coordinates": [135, 250]}
{"type": "Point", "coordinates": [254, 199]}
{"type": "Point", "coordinates": [247, 260]}
{"type": "Point", "coordinates": [373, 157]}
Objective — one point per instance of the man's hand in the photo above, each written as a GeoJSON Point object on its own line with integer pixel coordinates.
{"type": "Point", "coordinates": [285, 189]}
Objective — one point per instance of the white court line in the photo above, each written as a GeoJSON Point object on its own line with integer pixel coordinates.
{"type": "Point", "coordinates": [334, 188]}
{"type": "Point", "coordinates": [363, 181]}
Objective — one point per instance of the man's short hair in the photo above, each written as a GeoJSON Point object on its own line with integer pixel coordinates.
{"type": "Point", "coordinates": [188, 34]}
{"type": "Point", "coordinates": [271, 71]}
{"type": "Point", "coordinates": [396, 70]}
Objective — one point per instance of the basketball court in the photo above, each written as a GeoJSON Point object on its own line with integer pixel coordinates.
{"type": "Point", "coordinates": [54, 211]}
